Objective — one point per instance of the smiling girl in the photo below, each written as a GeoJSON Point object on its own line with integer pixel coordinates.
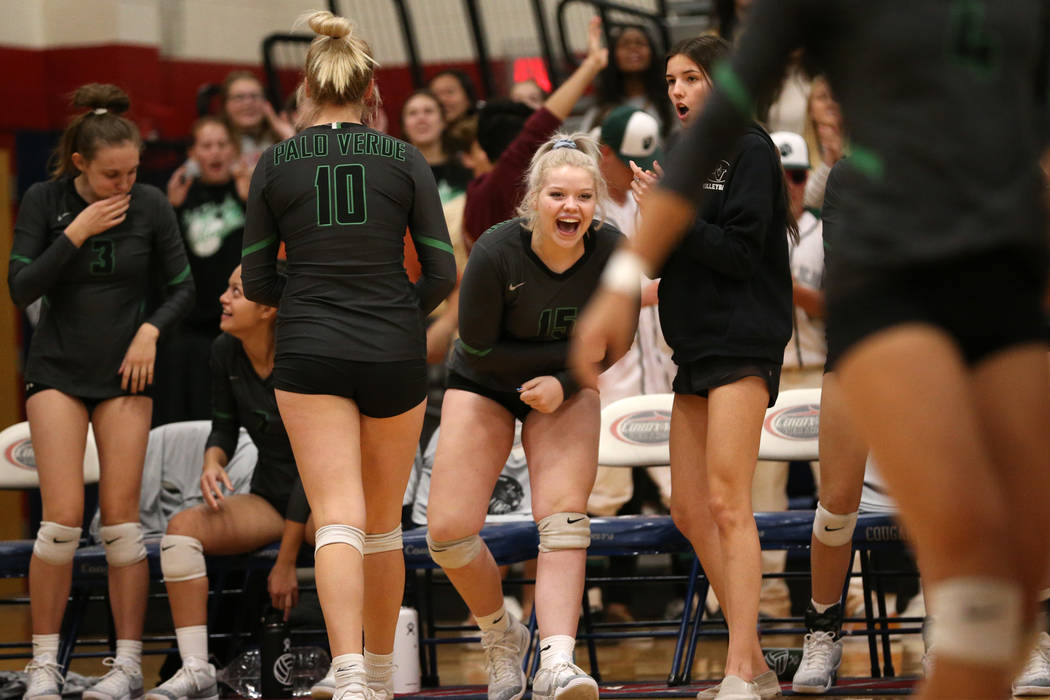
{"type": "Point", "coordinates": [524, 283]}
{"type": "Point", "coordinates": [91, 242]}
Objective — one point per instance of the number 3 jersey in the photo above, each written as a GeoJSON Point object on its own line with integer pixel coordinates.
{"type": "Point", "coordinates": [340, 196]}
{"type": "Point", "coordinates": [96, 296]}
{"type": "Point", "coordinates": [516, 315]}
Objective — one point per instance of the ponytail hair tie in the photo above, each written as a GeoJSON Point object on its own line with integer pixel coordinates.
{"type": "Point", "coordinates": [565, 143]}
{"type": "Point", "coordinates": [99, 110]}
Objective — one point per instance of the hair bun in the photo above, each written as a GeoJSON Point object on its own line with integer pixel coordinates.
{"type": "Point", "coordinates": [101, 96]}
{"type": "Point", "coordinates": [325, 23]}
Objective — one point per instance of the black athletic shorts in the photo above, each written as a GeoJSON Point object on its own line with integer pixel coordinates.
{"type": "Point", "coordinates": [90, 403]}
{"type": "Point", "coordinates": [707, 373]}
{"type": "Point", "coordinates": [986, 302]}
{"type": "Point", "coordinates": [278, 501]}
{"type": "Point", "coordinates": [380, 389]}
{"type": "Point", "coordinates": [510, 400]}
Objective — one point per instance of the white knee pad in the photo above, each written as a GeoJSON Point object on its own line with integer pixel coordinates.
{"type": "Point", "coordinates": [56, 544]}
{"type": "Point", "coordinates": [181, 558]}
{"type": "Point", "coordinates": [564, 531]}
{"type": "Point", "coordinates": [123, 543]}
{"type": "Point", "coordinates": [454, 554]}
{"type": "Point", "coordinates": [339, 534]}
{"type": "Point", "coordinates": [831, 529]}
{"type": "Point", "coordinates": [383, 541]}
{"type": "Point", "coordinates": [978, 620]}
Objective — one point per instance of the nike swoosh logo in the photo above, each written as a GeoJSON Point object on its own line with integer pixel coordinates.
{"type": "Point", "coordinates": [571, 521]}
{"type": "Point", "coordinates": [545, 648]}
{"type": "Point", "coordinates": [512, 287]}
{"type": "Point", "coordinates": [170, 546]}
{"type": "Point", "coordinates": [497, 619]}
{"type": "Point", "coordinates": [833, 529]}
{"type": "Point", "coordinates": [58, 541]}
{"type": "Point", "coordinates": [110, 541]}
{"type": "Point", "coordinates": [63, 215]}
{"type": "Point", "coordinates": [343, 668]}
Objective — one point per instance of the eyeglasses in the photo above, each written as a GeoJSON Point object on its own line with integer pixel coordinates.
{"type": "Point", "coordinates": [245, 97]}
{"type": "Point", "coordinates": [798, 177]}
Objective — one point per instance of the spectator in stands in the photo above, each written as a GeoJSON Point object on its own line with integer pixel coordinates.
{"type": "Point", "coordinates": [507, 141]}
{"type": "Point", "coordinates": [732, 17]}
{"type": "Point", "coordinates": [423, 125]}
{"type": "Point", "coordinates": [250, 116]}
{"type": "Point", "coordinates": [208, 193]}
{"type": "Point", "coordinates": [729, 347]}
{"type": "Point", "coordinates": [826, 133]}
{"type": "Point", "coordinates": [529, 93]}
{"type": "Point", "coordinates": [457, 94]}
{"type": "Point", "coordinates": [632, 77]}
{"type": "Point", "coordinates": [92, 242]}
{"type": "Point", "coordinates": [522, 285]}
{"type": "Point", "coordinates": [227, 523]}
{"type": "Point", "coordinates": [349, 370]}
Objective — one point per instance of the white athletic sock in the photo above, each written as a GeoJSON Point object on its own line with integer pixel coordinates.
{"type": "Point", "coordinates": [45, 644]}
{"type": "Point", "coordinates": [555, 648]}
{"type": "Point", "coordinates": [379, 668]}
{"type": "Point", "coordinates": [193, 645]}
{"type": "Point", "coordinates": [129, 651]}
{"type": "Point", "coordinates": [349, 668]}
{"type": "Point", "coordinates": [822, 608]}
{"type": "Point", "coordinates": [499, 620]}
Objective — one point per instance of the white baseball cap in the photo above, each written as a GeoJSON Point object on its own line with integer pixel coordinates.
{"type": "Point", "coordinates": [794, 153]}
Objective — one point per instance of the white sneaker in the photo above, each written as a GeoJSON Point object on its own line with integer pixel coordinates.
{"type": "Point", "coordinates": [563, 681]}
{"type": "Point", "coordinates": [504, 654]}
{"type": "Point", "coordinates": [1035, 678]}
{"type": "Point", "coordinates": [45, 681]}
{"type": "Point", "coordinates": [324, 689]}
{"type": "Point", "coordinates": [766, 685]}
{"type": "Point", "coordinates": [188, 683]}
{"type": "Point", "coordinates": [357, 690]}
{"type": "Point", "coordinates": [821, 656]}
{"type": "Point", "coordinates": [736, 688]}
{"type": "Point", "coordinates": [124, 682]}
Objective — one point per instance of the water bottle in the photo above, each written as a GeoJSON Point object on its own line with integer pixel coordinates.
{"type": "Point", "coordinates": [242, 675]}
{"type": "Point", "coordinates": [406, 652]}
{"type": "Point", "coordinates": [275, 655]}
{"type": "Point", "coordinates": [783, 661]}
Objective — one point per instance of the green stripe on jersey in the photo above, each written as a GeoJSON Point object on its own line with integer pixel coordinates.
{"type": "Point", "coordinates": [256, 247]}
{"type": "Point", "coordinates": [21, 258]}
{"type": "Point", "coordinates": [434, 243]}
{"type": "Point", "coordinates": [474, 351]}
{"type": "Point", "coordinates": [734, 88]}
{"type": "Point", "coordinates": [866, 161]}
{"type": "Point", "coordinates": [181, 276]}
{"type": "Point", "coordinates": [220, 415]}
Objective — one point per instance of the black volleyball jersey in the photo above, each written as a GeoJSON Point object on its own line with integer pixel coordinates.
{"type": "Point", "coordinates": [516, 315]}
{"type": "Point", "coordinates": [96, 296]}
{"type": "Point", "coordinates": [946, 105]}
{"type": "Point", "coordinates": [340, 197]}
{"type": "Point", "coordinates": [240, 397]}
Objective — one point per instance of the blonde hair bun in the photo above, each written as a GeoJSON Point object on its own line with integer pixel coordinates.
{"type": "Point", "coordinates": [325, 23]}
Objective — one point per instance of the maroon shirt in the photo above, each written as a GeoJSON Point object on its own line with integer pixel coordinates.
{"type": "Point", "coordinates": [493, 197]}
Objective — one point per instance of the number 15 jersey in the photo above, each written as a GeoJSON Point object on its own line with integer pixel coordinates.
{"type": "Point", "coordinates": [340, 197]}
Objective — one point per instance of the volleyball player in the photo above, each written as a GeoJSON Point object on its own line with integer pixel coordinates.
{"type": "Point", "coordinates": [275, 507]}
{"type": "Point", "coordinates": [522, 288]}
{"type": "Point", "coordinates": [350, 369]}
{"type": "Point", "coordinates": [91, 243]}
{"type": "Point", "coordinates": [937, 316]}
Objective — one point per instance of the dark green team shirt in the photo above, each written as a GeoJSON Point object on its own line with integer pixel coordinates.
{"type": "Point", "coordinates": [516, 315]}
{"type": "Point", "coordinates": [946, 105]}
{"type": "Point", "coordinates": [340, 197]}
{"type": "Point", "coordinates": [94, 297]}
{"type": "Point", "coordinates": [240, 397]}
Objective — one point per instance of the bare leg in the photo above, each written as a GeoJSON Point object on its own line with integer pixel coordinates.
{"type": "Point", "coordinates": [925, 430]}
{"type": "Point", "coordinates": [121, 433]}
{"type": "Point", "coordinates": [561, 473]}
{"type": "Point", "coordinates": [244, 523]}
{"type": "Point", "coordinates": [58, 424]}
{"type": "Point", "coordinates": [465, 471]}
{"type": "Point", "coordinates": [325, 433]}
{"type": "Point", "coordinates": [388, 448]}
{"type": "Point", "coordinates": [843, 454]}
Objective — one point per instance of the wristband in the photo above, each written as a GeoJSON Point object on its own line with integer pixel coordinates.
{"type": "Point", "coordinates": [623, 273]}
